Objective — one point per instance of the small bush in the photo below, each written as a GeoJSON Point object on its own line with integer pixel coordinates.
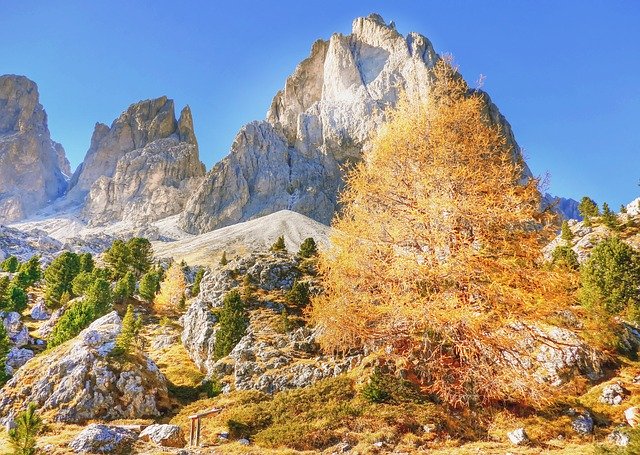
{"type": "Point", "coordinates": [195, 289]}
{"type": "Point", "coordinates": [298, 294]}
{"type": "Point", "coordinates": [279, 245]}
{"type": "Point", "coordinates": [23, 437]}
{"type": "Point", "coordinates": [375, 391]}
{"type": "Point", "coordinates": [10, 264]}
{"type": "Point", "coordinates": [564, 256]}
{"type": "Point", "coordinates": [308, 248]}
{"type": "Point", "coordinates": [211, 387]}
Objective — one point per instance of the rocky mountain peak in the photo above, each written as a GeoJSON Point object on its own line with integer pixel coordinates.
{"type": "Point", "coordinates": [142, 123]}
{"type": "Point", "coordinates": [33, 168]}
{"type": "Point", "coordinates": [321, 120]}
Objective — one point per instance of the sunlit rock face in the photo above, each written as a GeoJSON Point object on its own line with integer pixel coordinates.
{"type": "Point", "coordinates": [33, 168]}
{"type": "Point", "coordinates": [140, 169]}
{"type": "Point", "coordinates": [321, 121]}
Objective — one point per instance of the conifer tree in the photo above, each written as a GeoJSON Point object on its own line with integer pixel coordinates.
{"type": "Point", "coordinates": [23, 437]}
{"type": "Point", "coordinates": [141, 255]}
{"type": "Point", "coordinates": [308, 248]}
{"type": "Point", "coordinates": [5, 347]}
{"type": "Point", "coordinates": [149, 286]}
{"type": "Point", "coordinates": [10, 264]}
{"type": "Point", "coordinates": [248, 287]}
{"type": "Point", "coordinates": [563, 255]}
{"type": "Point", "coordinates": [279, 245]}
{"type": "Point", "coordinates": [566, 233]}
{"type": "Point", "coordinates": [172, 290]}
{"type": "Point", "coordinates": [610, 278]}
{"type": "Point", "coordinates": [223, 260]}
{"type": "Point", "coordinates": [195, 289]}
{"type": "Point", "coordinates": [87, 263]}
{"type": "Point", "coordinates": [30, 272]}
{"type": "Point", "coordinates": [434, 247]}
{"type": "Point", "coordinates": [298, 294]}
{"type": "Point", "coordinates": [81, 283]}
{"type": "Point", "coordinates": [232, 324]}
{"type": "Point", "coordinates": [125, 287]}
{"type": "Point", "coordinates": [4, 285]}
{"type": "Point", "coordinates": [59, 277]}
{"type": "Point", "coordinates": [128, 333]}
{"type": "Point", "coordinates": [588, 208]}
{"type": "Point", "coordinates": [609, 218]}
{"type": "Point", "coordinates": [623, 208]}
{"type": "Point", "coordinates": [16, 297]}
{"type": "Point", "coordinates": [118, 257]}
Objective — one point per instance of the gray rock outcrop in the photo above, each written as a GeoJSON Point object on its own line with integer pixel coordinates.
{"type": "Point", "coordinates": [98, 438]}
{"type": "Point", "coordinates": [79, 380]}
{"type": "Point", "coordinates": [321, 121]}
{"type": "Point", "coordinates": [141, 169]}
{"type": "Point", "coordinates": [164, 435]}
{"type": "Point", "coordinates": [33, 168]}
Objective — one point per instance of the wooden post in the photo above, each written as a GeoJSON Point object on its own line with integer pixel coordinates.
{"type": "Point", "coordinates": [194, 434]}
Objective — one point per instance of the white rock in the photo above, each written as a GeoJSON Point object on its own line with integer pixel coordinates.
{"type": "Point", "coordinates": [518, 437]}
{"type": "Point", "coordinates": [98, 438]}
{"type": "Point", "coordinates": [164, 435]}
{"type": "Point", "coordinates": [39, 312]}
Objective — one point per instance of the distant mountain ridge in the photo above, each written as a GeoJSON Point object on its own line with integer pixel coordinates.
{"type": "Point", "coordinates": [145, 167]}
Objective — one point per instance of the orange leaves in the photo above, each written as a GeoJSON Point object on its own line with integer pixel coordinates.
{"type": "Point", "coordinates": [437, 249]}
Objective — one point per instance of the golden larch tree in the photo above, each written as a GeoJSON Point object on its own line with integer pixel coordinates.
{"type": "Point", "coordinates": [172, 291]}
{"type": "Point", "coordinates": [435, 257]}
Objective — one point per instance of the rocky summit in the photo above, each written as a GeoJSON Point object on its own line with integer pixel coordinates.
{"type": "Point", "coordinates": [140, 169]}
{"type": "Point", "coordinates": [33, 168]}
{"type": "Point", "coordinates": [320, 122]}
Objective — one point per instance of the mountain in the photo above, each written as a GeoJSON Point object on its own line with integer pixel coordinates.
{"type": "Point", "coordinates": [319, 123]}
{"type": "Point", "coordinates": [565, 207]}
{"type": "Point", "coordinates": [33, 168]}
{"type": "Point", "coordinates": [140, 169]}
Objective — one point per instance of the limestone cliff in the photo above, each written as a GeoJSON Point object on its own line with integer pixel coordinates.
{"type": "Point", "coordinates": [140, 169]}
{"type": "Point", "coordinates": [321, 121]}
{"type": "Point", "coordinates": [33, 168]}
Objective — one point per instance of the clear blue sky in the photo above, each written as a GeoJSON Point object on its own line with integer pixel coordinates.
{"type": "Point", "coordinates": [565, 73]}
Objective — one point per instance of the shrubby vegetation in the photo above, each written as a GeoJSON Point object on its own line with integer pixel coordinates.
{"type": "Point", "coordinates": [10, 264]}
{"type": "Point", "coordinates": [298, 294]}
{"type": "Point", "coordinates": [172, 289]}
{"type": "Point", "coordinates": [5, 347]}
{"type": "Point", "coordinates": [308, 248]}
{"type": "Point", "coordinates": [232, 324]}
{"type": "Point", "coordinates": [195, 289]}
{"type": "Point", "coordinates": [126, 339]}
{"type": "Point", "coordinates": [96, 303]}
{"type": "Point", "coordinates": [149, 285]}
{"type": "Point", "coordinates": [279, 245]}
{"type": "Point", "coordinates": [610, 277]}
{"type": "Point", "coordinates": [23, 437]}
{"type": "Point", "coordinates": [59, 277]}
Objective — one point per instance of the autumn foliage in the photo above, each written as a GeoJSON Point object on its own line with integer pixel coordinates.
{"type": "Point", "coordinates": [172, 288]}
{"type": "Point", "coordinates": [435, 258]}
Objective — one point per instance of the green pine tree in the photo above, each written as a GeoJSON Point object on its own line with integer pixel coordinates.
{"type": "Point", "coordinates": [30, 272]}
{"type": "Point", "coordinates": [23, 437]}
{"type": "Point", "coordinates": [195, 289]}
{"type": "Point", "coordinates": [308, 248]}
{"type": "Point", "coordinates": [588, 208]}
{"type": "Point", "coordinates": [279, 245]}
{"type": "Point", "coordinates": [609, 278]}
{"type": "Point", "coordinates": [97, 302]}
{"type": "Point", "coordinates": [4, 285]}
{"type": "Point", "coordinates": [10, 264]}
{"type": "Point", "coordinates": [566, 233]}
{"type": "Point", "coordinates": [118, 258]}
{"type": "Point", "coordinates": [232, 324]}
{"type": "Point", "coordinates": [141, 255]}
{"type": "Point", "coordinates": [223, 259]}
{"type": "Point", "coordinates": [87, 263]}
{"type": "Point", "coordinates": [298, 294]}
{"type": "Point", "coordinates": [59, 277]}
{"type": "Point", "coordinates": [5, 347]}
{"type": "Point", "coordinates": [563, 255]}
{"type": "Point", "coordinates": [128, 333]}
{"type": "Point", "coordinates": [609, 218]}
{"type": "Point", "coordinates": [149, 286]}
{"type": "Point", "coordinates": [248, 287]}
{"type": "Point", "coordinates": [16, 297]}
{"type": "Point", "coordinates": [623, 208]}
{"type": "Point", "coordinates": [125, 287]}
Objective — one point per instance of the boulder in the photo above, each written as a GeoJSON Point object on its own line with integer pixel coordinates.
{"type": "Point", "coordinates": [98, 438]}
{"type": "Point", "coordinates": [79, 380]}
{"type": "Point", "coordinates": [612, 394]}
{"type": "Point", "coordinates": [583, 424]}
{"type": "Point", "coordinates": [619, 438]}
{"type": "Point", "coordinates": [632, 416]}
{"type": "Point", "coordinates": [40, 312]}
{"type": "Point", "coordinates": [16, 358]}
{"type": "Point", "coordinates": [518, 437]}
{"type": "Point", "coordinates": [164, 435]}
{"type": "Point", "coordinates": [16, 330]}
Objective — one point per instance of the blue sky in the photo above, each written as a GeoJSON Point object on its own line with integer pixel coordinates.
{"type": "Point", "coordinates": [564, 73]}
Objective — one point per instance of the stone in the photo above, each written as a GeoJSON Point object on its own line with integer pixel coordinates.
{"type": "Point", "coordinates": [164, 341]}
{"type": "Point", "coordinates": [518, 437]}
{"type": "Point", "coordinates": [612, 394]}
{"type": "Point", "coordinates": [32, 166]}
{"type": "Point", "coordinates": [79, 381]}
{"type": "Point", "coordinates": [320, 121]}
{"type": "Point", "coordinates": [16, 358]}
{"type": "Point", "coordinates": [16, 330]}
{"type": "Point", "coordinates": [98, 438]}
{"type": "Point", "coordinates": [632, 416]}
{"type": "Point", "coordinates": [164, 435]}
{"type": "Point", "coordinates": [619, 438]}
{"type": "Point", "coordinates": [39, 312]}
{"type": "Point", "coordinates": [583, 424]}
{"type": "Point", "coordinates": [244, 442]}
